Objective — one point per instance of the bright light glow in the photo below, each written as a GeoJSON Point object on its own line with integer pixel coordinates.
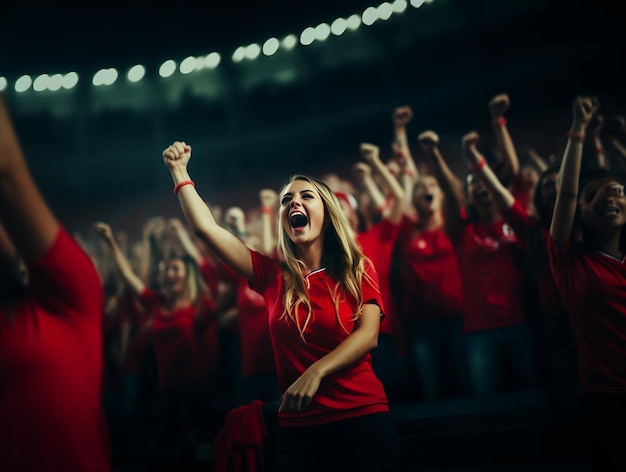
{"type": "Point", "coordinates": [187, 65]}
{"type": "Point", "coordinates": [289, 42]}
{"type": "Point", "coordinates": [136, 73]}
{"type": "Point", "coordinates": [322, 32]}
{"type": "Point", "coordinates": [399, 6]}
{"type": "Point", "coordinates": [353, 22]}
{"type": "Point", "coordinates": [270, 46]}
{"type": "Point", "coordinates": [41, 83]}
{"type": "Point", "coordinates": [307, 36]}
{"type": "Point", "coordinates": [104, 77]}
{"type": "Point", "coordinates": [338, 27]}
{"type": "Point", "coordinates": [3, 84]}
{"type": "Point", "coordinates": [370, 15]}
{"type": "Point", "coordinates": [167, 68]}
{"type": "Point", "coordinates": [239, 54]}
{"type": "Point", "coordinates": [23, 83]}
{"type": "Point", "coordinates": [417, 3]}
{"type": "Point", "coordinates": [212, 60]}
{"type": "Point", "coordinates": [253, 51]}
{"type": "Point", "coordinates": [70, 80]}
{"type": "Point", "coordinates": [385, 10]}
{"type": "Point", "coordinates": [55, 82]}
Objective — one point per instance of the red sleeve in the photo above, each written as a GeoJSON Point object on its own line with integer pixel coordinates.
{"type": "Point", "coordinates": [65, 277]}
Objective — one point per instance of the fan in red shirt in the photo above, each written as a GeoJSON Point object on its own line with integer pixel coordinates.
{"type": "Point", "coordinates": [377, 242]}
{"type": "Point", "coordinates": [587, 251]}
{"type": "Point", "coordinates": [429, 287]}
{"type": "Point", "coordinates": [182, 312]}
{"type": "Point", "coordinates": [51, 318]}
{"type": "Point", "coordinates": [490, 239]}
{"type": "Point", "coordinates": [324, 313]}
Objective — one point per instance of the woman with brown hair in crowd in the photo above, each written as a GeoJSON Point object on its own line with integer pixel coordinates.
{"type": "Point", "coordinates": [182, 312]}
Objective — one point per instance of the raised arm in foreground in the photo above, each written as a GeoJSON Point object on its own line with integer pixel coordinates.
{"type": "Point", "coordinates": [25, 215]}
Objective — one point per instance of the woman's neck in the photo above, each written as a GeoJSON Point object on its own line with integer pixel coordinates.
{"type": "Point", "coordinates": [431, 221]}
{"type": "Point", "coordinates": [610, 243]}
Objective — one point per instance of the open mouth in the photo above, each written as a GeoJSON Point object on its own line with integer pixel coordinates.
{"type": "Point", "coordinates": [298, 220]}
{"type": "Point", "coordinates": [482, 194]}
{"type": "Point", "coordinates": [428, 197]}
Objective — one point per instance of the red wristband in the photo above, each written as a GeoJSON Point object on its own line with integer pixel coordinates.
{"type": "Point", "coordinates": [408, 172]}
{"type": "Point", "coordinates": [600, 150]}
{"type": "Point", "coordinates": [479, 165]}
{"type": "Point", "coordinates": [182, 184]}
{"type": "Point", "coordinates": [500, 121]}
{"type": "Point", "coordinates": [267, 211]}
{"type": "Point", "coordinates": [575, 136]}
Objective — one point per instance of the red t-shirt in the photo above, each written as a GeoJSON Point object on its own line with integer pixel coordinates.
{"type": "Point", "coordinates": [377, 243]}
{"type": "Point", "coordinates": [134, 315]}
{"type": "Point", "coordinates": [352, 392]}
{"type": "Point", "coordinates": [492, 263]}
{"type": "Point", "coordinates": [182, 348]}
{"type": "Point", "coordinates": [210, 274]}
{"type": "Point", "coordinates": [549, 297]}
{"type": "Point", "coordinates": [431, 275]}
{"type": "Point", "coordinates": [593, 289]}
{"type": "Point", "coordinates": [257, 356]}
{"type": "Point", "coordinates": [51, 368]}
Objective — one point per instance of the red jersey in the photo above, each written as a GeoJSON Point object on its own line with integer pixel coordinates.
{"type": "Point", "coordinates": [352, 392]}
{"type": "Point", "coordinates": [51, 365]}
{"type": "Point", "coordinates": [136, 319]}
{"type": "Point", "coordinates": [492, 263]}
{"type": "Point", "coordinates": [179, 338]}
{"type": "Point", "coordinates": [431, 275]}
{"type": "Point", "coordinates": [549, 297]}
{"type": "Point", "coordinates": [257, 355]}
{"type": "Point", "coordinates": [593, 288]}
{"type": "Point", "coordinates": [377, 244]}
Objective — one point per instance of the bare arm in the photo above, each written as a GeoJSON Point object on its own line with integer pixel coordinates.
{"type": "Point", "coordinates": [569, 173]}
{"type": "Point", "coordinates": [269, 210]}
{"type": "Point", "coordinates": [507, 154]}
{"type": "Point", "coordinates": [185, 240]}
{"type": "Point", "coordinates": [371, 155]}
{"type": "Point", "coordinates": [502, 196]}
{"type": "Point", "coordinates": [126, 271]}
{"type": "Point", "coordinates": [595, 127]}
{"type": "Point", "coordinates": [199, 217]}
{"type": "Point", "coordinates": [25, 215]}
{"type": "Point", "coordinates": [538, 161]}
{"type": "Point", "coordinates": [401, 118]}
{"type": "Point", "coordinates": [448, 181]}
{"type": "Point", "coordinates": [363, 339]}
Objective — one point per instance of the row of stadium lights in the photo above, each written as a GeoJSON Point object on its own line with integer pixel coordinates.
{"type": "Point", "coordinates": [321, 32]}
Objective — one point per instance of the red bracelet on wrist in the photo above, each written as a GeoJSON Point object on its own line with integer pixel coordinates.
{"type": "Point", "coordinates": [575, 136]}
{"type": "Point", "coordinates": [408, 172]}
{"type": "Point", "coordinates": [600, 150]}
{"type": "Point", "coordinates": [479, 165]}
{"type": "Point", "coordinates": [267, 211]}
{"type": "Point", "coordinates": [182, 184]}
{"type": "Point", "coordinates": [500, 121]}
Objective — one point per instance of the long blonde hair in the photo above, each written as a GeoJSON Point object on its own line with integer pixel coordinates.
{"type": "Point", "coordinates": [341, 255]}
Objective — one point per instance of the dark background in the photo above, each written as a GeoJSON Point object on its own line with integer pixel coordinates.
{"type": "Point", "coordinates": [96, 152]}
